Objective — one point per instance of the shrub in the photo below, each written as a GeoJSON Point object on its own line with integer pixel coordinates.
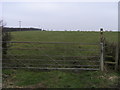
{"type": "Point", "coordinates": [110, 53]}
{"type": "Point", "coordinates": [5, 37]}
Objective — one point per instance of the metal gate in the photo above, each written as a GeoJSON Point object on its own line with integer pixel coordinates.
{"type": "Point", "coordinates": [52, 55]}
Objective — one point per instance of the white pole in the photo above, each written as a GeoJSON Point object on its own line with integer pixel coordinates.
{"type": "Point", "coordinates": [20, 25]}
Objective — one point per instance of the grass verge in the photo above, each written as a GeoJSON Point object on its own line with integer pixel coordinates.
{"type": "Point", "coordinates": [59, 79]}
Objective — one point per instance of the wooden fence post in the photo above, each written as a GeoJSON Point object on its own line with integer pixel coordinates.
{"type": "Point", "coordinates": [102, 50]}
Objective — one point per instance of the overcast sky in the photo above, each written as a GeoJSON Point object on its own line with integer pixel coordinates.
{"type": "Point", "coordinates": [62, 15]}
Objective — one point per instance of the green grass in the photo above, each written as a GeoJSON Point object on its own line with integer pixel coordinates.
{"type": "Point", "coordinates": [63, 50]}
{"type": "Point", "coordinates": [55, 36]}
{"type": "Point", "coordinates": [53, 50]}
{"type": "Point", "coordinates": [57, 79]}
{"type": "Point", "coordinates": [63, 36]}
{"type": "Point", "coordinates": [62, 79]}
{"type": "Point", "coordinates": [60, 36]}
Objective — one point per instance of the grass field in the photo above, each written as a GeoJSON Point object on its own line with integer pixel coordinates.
{"type": "Point", "coordinates": [58, 79]}
{"type": "Point", "coordinates": [63, 36]}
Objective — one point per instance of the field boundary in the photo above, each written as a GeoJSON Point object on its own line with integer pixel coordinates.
{"type": "Point", "coordinates": [75, 59]}
{"type": "Point", "coordinates": [56, 63]}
